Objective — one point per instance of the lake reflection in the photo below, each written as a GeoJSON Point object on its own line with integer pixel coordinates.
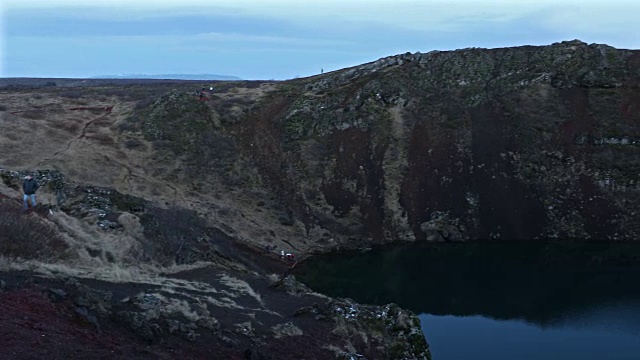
{"type": "Point", "coordinates": [501, 301]}
{"type": "Point", "coordinates": [478, 337]}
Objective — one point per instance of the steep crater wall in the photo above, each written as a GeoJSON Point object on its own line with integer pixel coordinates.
{"type": "Point", "coordinates": [515, 143]}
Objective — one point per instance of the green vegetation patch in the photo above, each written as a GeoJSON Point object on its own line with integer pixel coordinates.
{"type": "Point", "coordinates": [178, 118]}
{"type": "Point", "coordinates": [183, 124]}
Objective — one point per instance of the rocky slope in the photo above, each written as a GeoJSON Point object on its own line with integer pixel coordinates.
{"type": "Point", "coordinates": [516, 143]}
{"type": "Point", "coordinates": [522, 143]}
{"type": "Point", "coordinates": [145, 181]}
{"type": "Point", "coordinates": [108, 275]}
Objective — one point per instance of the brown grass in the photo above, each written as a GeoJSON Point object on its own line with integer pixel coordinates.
{"type": "Point", "coordinates": [102, 121]}
{"type": "Point", "coordinates": [129, 124]}
{"type": "Point", "coordinates": [102, 139]}
{"type": "Point", "coordinates": [133, 144]}
{"type": "Point", "coordinates": [158, 176]}
{"type": "Point", "coordinates": [34, 114]}
{"type": "Point", "coordinates": [72, 94]}
{"type": "Point", "coordinates": [70, 127]}
{"type": "Point", "coordinates": [27, 237]}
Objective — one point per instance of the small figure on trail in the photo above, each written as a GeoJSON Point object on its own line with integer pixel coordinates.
{"type": "Point", "coordinates": [29, 186]}
{"type": "Point", "coordinates": [321, 71]}
{"type": "Point", "coordinates": [281, 253]}
{"type": "Point", "coordinates": [202, 94]}
{"type": "Point", "coordinates": [290, 257]}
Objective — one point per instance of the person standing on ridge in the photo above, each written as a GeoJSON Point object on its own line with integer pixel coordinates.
{"type": "Point", "coordinates": [29, 186]}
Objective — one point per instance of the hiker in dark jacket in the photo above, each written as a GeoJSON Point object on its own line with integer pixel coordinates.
{"type": "Point", "coordinates": [29, 186]}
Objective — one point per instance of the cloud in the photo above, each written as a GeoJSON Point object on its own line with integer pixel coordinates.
{"type": "Point", "coordinates": [191, 39]}
{"type": "Point", "coordinates": [594, 18]}
{"type": "Point", "coordinates": [584, 16]}
{"type": "Point", "coordinates": [410, 13]}
{"type": "Point", "coordinates": [264, 39]}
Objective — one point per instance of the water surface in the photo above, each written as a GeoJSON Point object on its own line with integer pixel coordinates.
{"type": "Point", "coordinates": [501, 300]}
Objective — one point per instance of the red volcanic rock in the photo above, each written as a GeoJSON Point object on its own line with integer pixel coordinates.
{"type": "Point", "coordinates": [33, 327]}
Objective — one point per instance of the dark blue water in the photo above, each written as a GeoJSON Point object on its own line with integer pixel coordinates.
{"type": "Point", "coordinates": [501, 301]}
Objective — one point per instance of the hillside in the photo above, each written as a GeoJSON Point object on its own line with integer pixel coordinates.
{"type": "Point", "coordinates": [153, 188]}
{"type": "Point", "coordinates": [171, 76]}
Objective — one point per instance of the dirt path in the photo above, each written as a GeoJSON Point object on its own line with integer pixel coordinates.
{"type": "Point", "coordinates": [82, 135]}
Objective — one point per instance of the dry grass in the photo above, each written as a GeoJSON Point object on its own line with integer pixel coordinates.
{"type": "Point", "coordinates": [286, 329]}
{"type": "Point", "coordinates": [34, 114]}
{"type": "Point", "coordinates": [102, 121]}
{"type": "Point", "coordinates": [12, 136]}
{"type": "Point", "coordinates": [171, 306]}
{"type": "Point", "coordinates": [102, 139]}
{"type": "Point", "coordinates": [119, 248]}
{"type": "Point", "coordinates": [115, 257]}
{"type": "Point", "coordinates": [105, 156]}
{"type": "Point", "coordinates": [28, 236]}
{"type": "Point", "coordinates": [133, 143]}
{"type": "Point", "coordinates": [71, 127]}
{"type": "Point", "coordinates": [72, 94]}
{"type": "Point", "coordinates": [128, 124]}
{"type": "Point", "coordinates": [240, 287]}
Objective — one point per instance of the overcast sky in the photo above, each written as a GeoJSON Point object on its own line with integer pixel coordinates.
{"type": "Point", "coordinates": [282, 39]}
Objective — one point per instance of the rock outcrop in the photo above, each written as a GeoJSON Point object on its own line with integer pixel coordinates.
{"type": "Point", "coordinates": [515, 143]}
{"type": "Point", "coordinates": [68, 319]}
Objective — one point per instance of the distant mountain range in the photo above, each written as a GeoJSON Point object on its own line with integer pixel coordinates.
{"type": "Point", "coordinates": [170, 77]}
